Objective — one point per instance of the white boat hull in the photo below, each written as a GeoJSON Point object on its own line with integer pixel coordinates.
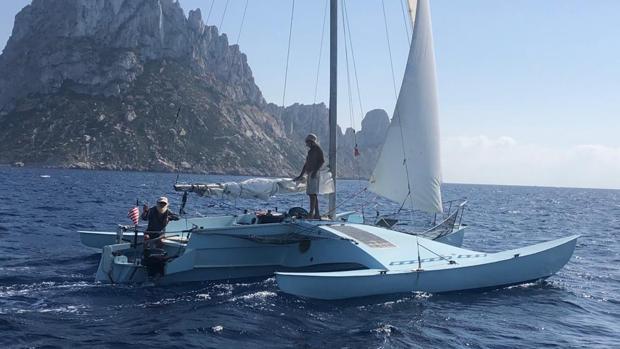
{"type": "Point", "coordinates": [240, 252]}
{"type": "Point", "coordinates": [115, 268]}
{"type": "Point", "coordinates": [454, 238]}
{"type": "Point", "coordinates": [491, 271]}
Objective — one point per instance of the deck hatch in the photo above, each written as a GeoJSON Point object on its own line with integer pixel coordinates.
{"type": "Point", "coordinates": [363, 236]}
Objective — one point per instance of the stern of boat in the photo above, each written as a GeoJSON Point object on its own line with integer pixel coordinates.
{"type": "Point", "coordinates": [116, 266]}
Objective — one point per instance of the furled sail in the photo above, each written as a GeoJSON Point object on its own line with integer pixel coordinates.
{"type": "Point", "coordinates": [256, 188]}
{"type": "Point", "coordinates": [409, 169]}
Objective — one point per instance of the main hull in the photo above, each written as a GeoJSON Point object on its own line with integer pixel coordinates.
{"type": "Point", "coordinates": [236, 252]}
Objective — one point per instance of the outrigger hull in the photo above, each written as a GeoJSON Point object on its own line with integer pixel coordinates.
{"type": "Point", "coordinates": [495, 270]}
{"type": "Point", "coordinates": [99, 239]}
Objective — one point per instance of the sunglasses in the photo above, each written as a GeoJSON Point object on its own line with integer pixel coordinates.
{"type": "Point", "coordinates": [162, 204]}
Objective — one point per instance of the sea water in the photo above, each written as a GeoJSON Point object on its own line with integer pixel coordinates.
{"type": "Point", "coordinates": [48, 296]}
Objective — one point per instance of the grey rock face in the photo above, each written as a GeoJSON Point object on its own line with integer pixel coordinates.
{"type": "Point", "coordinates": [97, 84]}
{"type": "Point", "coordinates": [299, 120]}
{"type": "Point", "coordinates": [374, 129]}
{"type": "Point", "coordinates": [100, 47]}
{"type": "Point", "coordinates": [368, 141]}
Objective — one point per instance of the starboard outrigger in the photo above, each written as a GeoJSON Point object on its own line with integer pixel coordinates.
{"type": "Point", "coordinates": [398, 263]}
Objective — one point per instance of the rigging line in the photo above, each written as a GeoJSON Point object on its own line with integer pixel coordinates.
{"type": "Point", "coordinates": [176, 164]}
{"type": "Point", "coordinates": [359, 95]}
{"type": "Point", "coordinates": [417, 242]}
{"type": "Point", "coordinates": [318, 69]}
{"type": "Point", "coordinates": [387, 36]}
{"type": "Point", "coordinates": [347, 23]}
{"type": "Point", "coordinates": [349, 90]}
{"type": "Point", "coordinates": [437, 254]}
{"type": "Point", "coordinates": [396, 114]}
{"type": "Point", "coordinates": [344, 201]}
{"type": "Point", "coordinates": [222, 204]}
{"type": "Point", "coordinates": [403, 204]}
{"type": "Point", "coordinates": [245, 8]}
{"type": "Point", "coordinates": [368, 201]}
{"type": "Point", "coordinates": [210, 10]}
{"type": "Point", "coordinates": [347, 35]}
{"type": "Point", "coordinates": [223, 16]}
{"type": "Point", "coordinates": [346, 55]}
{"type": "Point", "coordinates": [402, 7]}
{"type": "Point", "coordinates": [288, 52]}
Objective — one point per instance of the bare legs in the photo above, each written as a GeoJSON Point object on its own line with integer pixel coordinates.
{"type": "Point", "coordinates": [314, 207]}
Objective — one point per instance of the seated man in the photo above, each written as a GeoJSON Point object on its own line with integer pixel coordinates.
{"type": "Point", "coordinates": [158, 217]}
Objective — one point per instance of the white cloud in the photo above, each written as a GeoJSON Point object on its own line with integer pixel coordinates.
{"type": "Point", "coordinates": [503, 160]}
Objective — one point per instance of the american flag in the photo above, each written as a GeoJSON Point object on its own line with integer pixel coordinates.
{"type": "Point", "coordinates": [134, 215]}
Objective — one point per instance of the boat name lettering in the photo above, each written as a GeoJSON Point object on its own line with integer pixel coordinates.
{"type": "Point", "coordinates": [437, 259]}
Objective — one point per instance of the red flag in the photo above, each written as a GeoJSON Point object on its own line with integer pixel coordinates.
{"type": "Point", "coordinates": [134, 215]}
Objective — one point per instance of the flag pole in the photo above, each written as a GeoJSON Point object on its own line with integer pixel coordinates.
{"type": "Point", "coordinates": [135, 226]}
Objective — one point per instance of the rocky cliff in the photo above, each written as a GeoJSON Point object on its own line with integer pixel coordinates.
{"type": "Point", "coordinates": [299, 120]}
{"type": "Point", "coordinates": [99, 84]}
{"type": "Point", "coordinates": [100, 48]}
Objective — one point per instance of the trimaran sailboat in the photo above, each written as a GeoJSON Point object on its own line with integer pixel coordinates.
{"type": "Point", "coordinates": [337, 258]}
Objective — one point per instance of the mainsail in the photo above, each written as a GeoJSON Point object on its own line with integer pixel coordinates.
{"type": "Point", "coordinates": [256, 188]}
{"type": "Point", "coordinates": [409, 167]}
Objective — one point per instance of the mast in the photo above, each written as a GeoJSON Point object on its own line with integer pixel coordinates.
{"type": "Point", "coordinates": [333, 96]}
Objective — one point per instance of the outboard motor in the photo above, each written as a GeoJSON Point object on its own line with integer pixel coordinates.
{"type": "Point", "coordinates": [154, 260]}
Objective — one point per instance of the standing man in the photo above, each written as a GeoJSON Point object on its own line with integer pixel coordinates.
{"type": "Point", "coordinates": [314, 161]}
{"type": "Point", "coordinates": [158, 217]}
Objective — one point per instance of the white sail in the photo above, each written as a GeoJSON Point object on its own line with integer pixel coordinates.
{"type": "Point", "coordinates": [409, 163]}
{"type": "Point", "coordinates": [257, 188]}
{"type": "Point", "coordinates": [413, 5]}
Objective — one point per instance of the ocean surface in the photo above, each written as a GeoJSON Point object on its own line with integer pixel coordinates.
{"type": "Point", "coordinates": [48, 296]}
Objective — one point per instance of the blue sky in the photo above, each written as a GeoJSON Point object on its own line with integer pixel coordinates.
{"type": "Point", "coordinates": [528, 89]}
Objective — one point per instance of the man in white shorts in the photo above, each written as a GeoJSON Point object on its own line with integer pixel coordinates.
{"type": "Point", "coordinates": [314, 161]}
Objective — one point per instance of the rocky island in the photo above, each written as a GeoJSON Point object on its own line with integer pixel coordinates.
{"type": "Point", "coordinates": [137, 85]}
